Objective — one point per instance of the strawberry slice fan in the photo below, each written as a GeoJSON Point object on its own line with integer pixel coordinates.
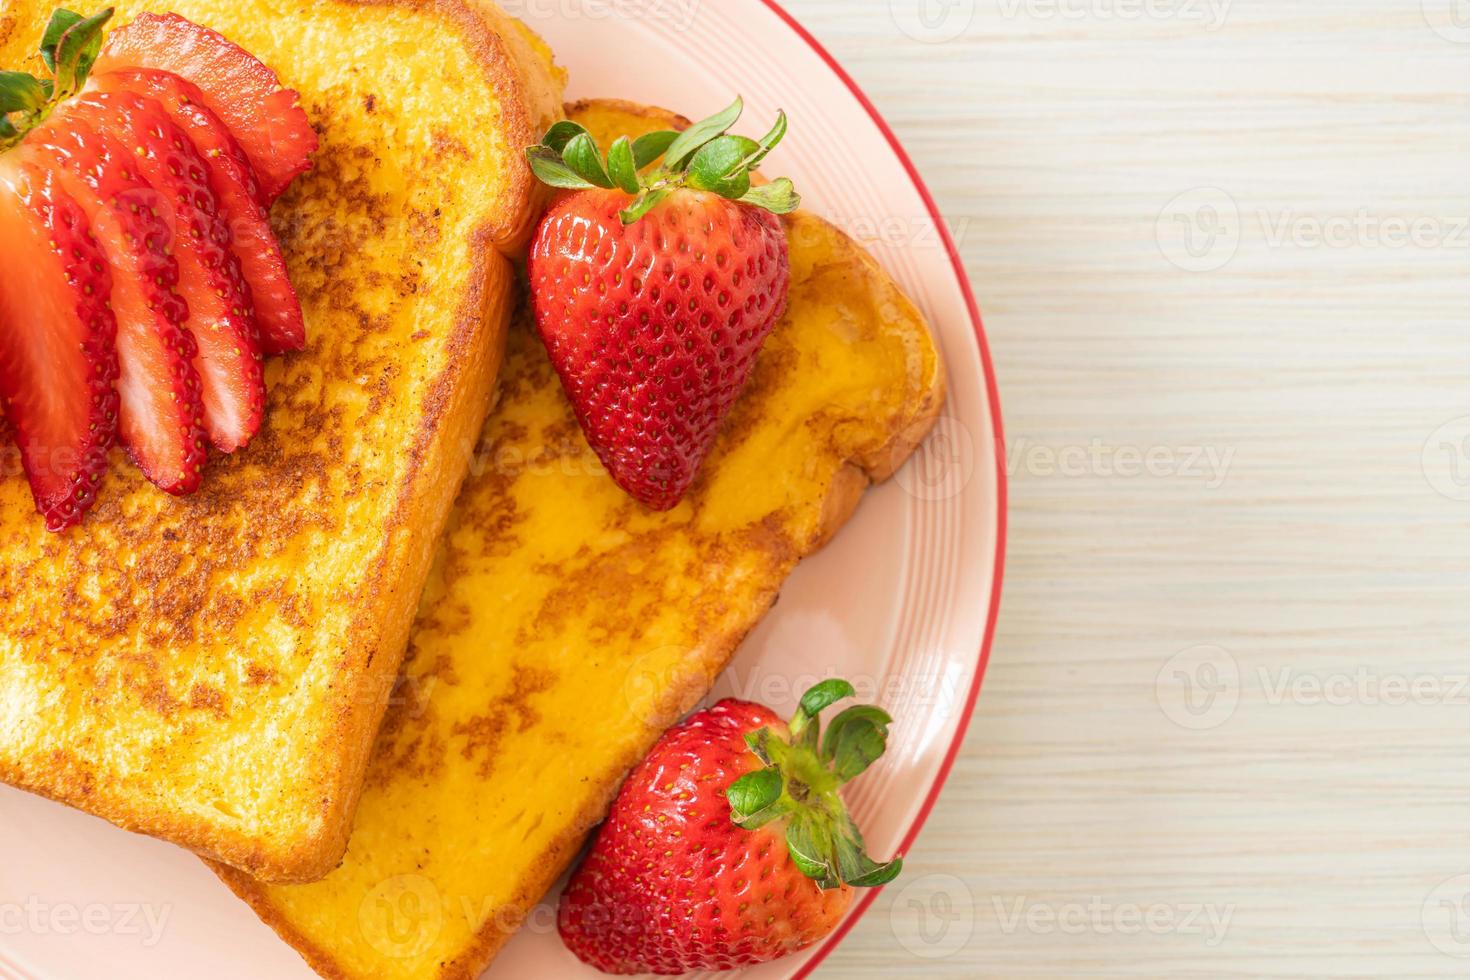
{"type": "Point", "coordinates": [146, 282]}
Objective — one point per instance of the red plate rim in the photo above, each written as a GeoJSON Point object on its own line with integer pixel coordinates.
{"type": "Point", "coordinates": [1001, 495]}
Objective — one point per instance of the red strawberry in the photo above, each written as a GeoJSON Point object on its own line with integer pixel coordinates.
{"type": "Point", "coordinates": [236, 86]}
{"type": "Point", "coordinates": [58, 360]}
{"type": "Point", "coordinates": [232, 179]}
{"type": "Point", "coordinates": [653, 294]}
{"type": "Point", "coordinates": [221, 317]}
{"type": "Point", "coordinates": [161, 415]}
{"type": "Point", "coordinates": [729, 844]}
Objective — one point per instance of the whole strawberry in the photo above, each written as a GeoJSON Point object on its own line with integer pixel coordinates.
{"type": "Point", "coordinates": [729, 845]}
{"type": "Point", "coordinates": [654, 291]}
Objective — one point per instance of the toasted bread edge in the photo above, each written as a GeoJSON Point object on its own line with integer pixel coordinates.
{"type": "Point", "coordinates": [520, 69]}
{"type": "Point", "coordinates": [439, 461]}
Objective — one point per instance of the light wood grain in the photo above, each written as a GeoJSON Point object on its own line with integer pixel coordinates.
{"type": "Point", "coordinates": [1322, 825]}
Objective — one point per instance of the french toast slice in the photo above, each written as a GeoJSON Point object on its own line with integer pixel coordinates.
{"type": "Point", "coordinates": [213, 670]}
{"type": "Point", "coordinates": [564, 626]}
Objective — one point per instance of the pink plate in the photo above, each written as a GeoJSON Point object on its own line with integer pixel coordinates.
{"type": "Point", "coordinates": [903, 602]}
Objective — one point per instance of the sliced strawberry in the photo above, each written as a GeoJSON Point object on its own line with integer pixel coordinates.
{"type": "Point", "coordinates": [221, 316]}
{"type": "Point", "coordinates": [232, 179]}
{"type": "Point", "coordinates": [161, 419]}
{"type": "Point", "coordinates": [237, 87]}
{"type": "Point", "coordinates": [58, 359]}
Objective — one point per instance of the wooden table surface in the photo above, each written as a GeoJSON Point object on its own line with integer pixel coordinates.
{"type": "Point", "coordinates": [1223, 254]}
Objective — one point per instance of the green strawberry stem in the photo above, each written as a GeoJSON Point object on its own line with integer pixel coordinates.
{"type": "Point", "coordinates": [704, 157]}
{"type": "Point", "coordinates": [69, 48]}
{"type": "Point", "coordinates": [800, 781]}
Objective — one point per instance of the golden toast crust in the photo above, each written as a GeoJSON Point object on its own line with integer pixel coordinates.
{"type": "Point", "coordinates": [166, 699]}
{"type": "Point", "coordinates": [679, 688]}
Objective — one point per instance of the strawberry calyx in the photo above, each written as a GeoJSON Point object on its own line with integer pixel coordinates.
{"type": "Point", "coordinates": [799, 785]}
{"type": "Point", "coordinates": [704, 157]}
{"type": "Point", "coordinates": [69, 49]}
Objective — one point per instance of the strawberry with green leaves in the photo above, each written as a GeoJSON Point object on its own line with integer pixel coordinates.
{"type": "Point", "coordinates": [654, 283]}
{"type": "Point", "coordinates": [729, 845]}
